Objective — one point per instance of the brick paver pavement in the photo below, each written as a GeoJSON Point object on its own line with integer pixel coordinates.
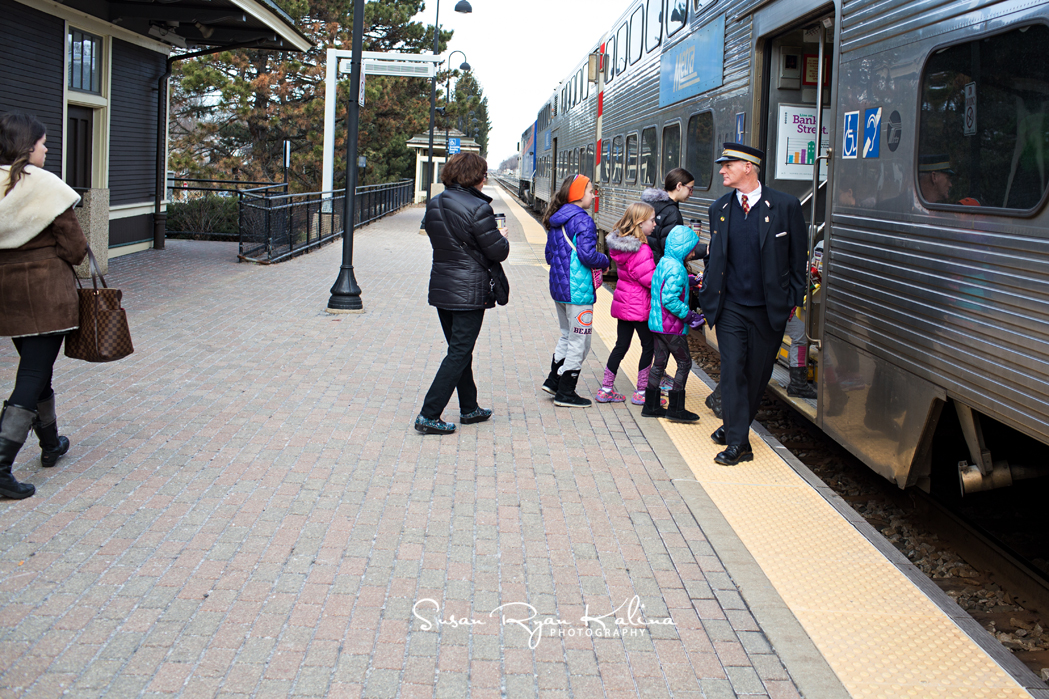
{"type": "Point", "coordinates": [246, 509]}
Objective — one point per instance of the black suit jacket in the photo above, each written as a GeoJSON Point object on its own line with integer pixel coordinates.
{"type": "Point", "coordinates": [784, 241]}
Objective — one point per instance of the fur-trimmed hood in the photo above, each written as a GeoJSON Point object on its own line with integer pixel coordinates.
{"type": "Point", "coordinates": [37, 200]}
{"type": "Point", "coordinates": [652, 194]}
{"type": "Point", "coordinates": [622, 243]}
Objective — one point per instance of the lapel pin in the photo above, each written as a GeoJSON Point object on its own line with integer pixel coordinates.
{"type": "Point", "coordinates": [766, 219]}
{"type": "Point", "coordinates": [722, 218]}
{"type": "Point", "coordinates": [767, 204]}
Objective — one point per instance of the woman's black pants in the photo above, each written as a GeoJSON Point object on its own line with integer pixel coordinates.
{"type": "Point", "coordinates": [36, 364]}
{"type": "Point", "coordinates": [461, 329]}
{"type": "Point", "coordinates": [625, 330]}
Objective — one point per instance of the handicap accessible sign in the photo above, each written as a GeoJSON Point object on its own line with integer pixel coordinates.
{"type": "Point", "coordinates": [850, 147]}
{"type": "Point", "coordinates": [693, 66]}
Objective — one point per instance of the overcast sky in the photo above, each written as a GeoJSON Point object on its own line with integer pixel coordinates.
{"type": "Point", "coordinates": [519, 51]}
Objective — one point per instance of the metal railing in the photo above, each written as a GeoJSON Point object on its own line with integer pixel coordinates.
{"type": "Point", "coordinates": [207, 209]}
{"type": "Point", "coordinates": [274, 227]}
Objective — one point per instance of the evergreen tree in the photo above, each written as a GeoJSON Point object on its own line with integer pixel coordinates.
{"type": "Point", "coordinates": [231, 112]}
{"type": "Point", "coordinates": [468, 110]}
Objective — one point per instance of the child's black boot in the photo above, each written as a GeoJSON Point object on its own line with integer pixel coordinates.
{"type": "Point", "coordinates": [552, 381]}
{"type": "Point", "coordinates": [653, 408]}
{"type": "Point", "coordinates": [566, 396]}
{"type": "Point", "coordinates": [676, 411]}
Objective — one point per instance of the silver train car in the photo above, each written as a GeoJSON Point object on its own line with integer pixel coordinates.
{"type": "Point", "coordinates": [925, 195]}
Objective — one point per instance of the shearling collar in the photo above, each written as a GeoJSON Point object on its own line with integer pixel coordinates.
{"type": "Point", "coordinates": [622, 243]}
{"type": "Point", "coordinates": [37, 200]}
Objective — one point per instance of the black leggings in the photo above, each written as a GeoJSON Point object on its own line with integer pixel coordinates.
{"type": "Point", "coordinates": [35, 367]}
{"type": "Point", "coordinates": [624, 334]}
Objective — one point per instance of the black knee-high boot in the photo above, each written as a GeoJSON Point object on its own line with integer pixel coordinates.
{"type": "Point", "coordinates": [15, 423]}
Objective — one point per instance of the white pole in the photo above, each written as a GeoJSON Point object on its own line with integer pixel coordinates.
{"type": "Point", "coordinates": [328, 165]}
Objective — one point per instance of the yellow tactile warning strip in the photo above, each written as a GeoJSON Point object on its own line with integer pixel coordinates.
{"type": "Point", "coordinates": [880, 634]}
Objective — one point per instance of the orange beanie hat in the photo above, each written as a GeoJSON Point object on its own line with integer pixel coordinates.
{"type": "Point", "coordinates": [578, 188]}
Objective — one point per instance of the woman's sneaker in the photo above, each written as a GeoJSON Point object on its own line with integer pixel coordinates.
{"type": "Point", "coordinates": [479, 415]}
{"type": "Point", "coordinates": [428, 426]}
{"type": "Point", "coordinates": [608, 395]}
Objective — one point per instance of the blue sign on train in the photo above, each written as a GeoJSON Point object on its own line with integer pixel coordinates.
{"type": "Point", "coordinates": [695, 65]}
{"type": "Point", "coordinates": [871, 129]}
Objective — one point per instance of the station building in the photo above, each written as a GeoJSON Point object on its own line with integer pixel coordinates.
{"type": "Point", "coordinates": [420, 143]}
{"type": "Point", "coordinates": [95, 73]}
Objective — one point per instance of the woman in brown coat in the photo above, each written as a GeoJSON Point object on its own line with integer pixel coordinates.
{"type": "Point", "coordinates": [40, 240]}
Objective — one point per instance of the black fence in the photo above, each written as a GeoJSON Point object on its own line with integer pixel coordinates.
{"type": "Point", "coordinates": [274, 227]}
{"type": "Point", "coordinates": [207, 209]}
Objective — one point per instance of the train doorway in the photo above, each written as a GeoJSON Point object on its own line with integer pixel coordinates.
{"type": "Point", "coordinates": [796, 105]}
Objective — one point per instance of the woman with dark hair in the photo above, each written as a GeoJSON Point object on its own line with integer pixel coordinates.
{"type": "Point", "coordinates": [461, 227]}
{"type": "Point", "coordinates": [676, 189]}
{"type": "Point", "coordinates": [40, 240]}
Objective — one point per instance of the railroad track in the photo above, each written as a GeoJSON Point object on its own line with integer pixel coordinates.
{"type": "Point", "coordinates": [1003, 590]}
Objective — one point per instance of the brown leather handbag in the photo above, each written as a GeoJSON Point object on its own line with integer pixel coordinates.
{"type": "Point", "coordinates": [103, 335]}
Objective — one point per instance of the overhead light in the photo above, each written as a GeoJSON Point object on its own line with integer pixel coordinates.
{"type": "Point", "coordinates": [167, 36]}
{"type": "Point", "coordinates": [463, 7]}
{"type": "Point", "coordinates": [206, 32]}
{"type": "Point", "coordinates": [464, 66]}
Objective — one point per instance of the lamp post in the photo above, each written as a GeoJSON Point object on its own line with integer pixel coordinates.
{"type": "Point", "coordinates": [345, 294]}
{"type": "Point", "coordinates": [448, 100]}
{"type": "Point", "coordinates": [462, 7]}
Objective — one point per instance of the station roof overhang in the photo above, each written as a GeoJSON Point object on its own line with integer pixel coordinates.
{"type": "Point", "coordinates": [201, 24]}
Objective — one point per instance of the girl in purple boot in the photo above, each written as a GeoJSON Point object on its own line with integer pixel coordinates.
{"type": "Point", "coordinates": [628, 246]}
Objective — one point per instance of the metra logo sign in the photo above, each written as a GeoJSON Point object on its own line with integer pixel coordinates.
{"type": "Point", "coordinates": [693, 65]}
{"type": "Point", "coordinates": [685, 72]}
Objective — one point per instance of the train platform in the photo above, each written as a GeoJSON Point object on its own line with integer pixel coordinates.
{"type": "Point", "coordinates": [247, 511]}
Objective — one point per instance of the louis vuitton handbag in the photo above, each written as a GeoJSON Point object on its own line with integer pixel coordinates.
{"type": "Point", "coordinates": [103, 335]}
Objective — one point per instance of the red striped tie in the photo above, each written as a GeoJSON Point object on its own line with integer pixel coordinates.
{"type": "Point", "coordinates": [746, 206]}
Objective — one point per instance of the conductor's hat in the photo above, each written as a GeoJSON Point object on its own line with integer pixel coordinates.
{"type": "Point", "coordinates": [738, 151]}
{"type": "Point", "coordinates": [935, 163]}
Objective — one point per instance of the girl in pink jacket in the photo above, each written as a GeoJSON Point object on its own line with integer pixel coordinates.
{"type": "Point", "coordinates": [628, 246]}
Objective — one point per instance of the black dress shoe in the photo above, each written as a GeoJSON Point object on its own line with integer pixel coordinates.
{"type": "Point", "coordinates": [719, 436]}
{"type": "Point", "coordinates": [735, 454]}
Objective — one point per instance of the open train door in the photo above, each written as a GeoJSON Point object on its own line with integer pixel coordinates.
{"type": "Point", "coordinates": [795, 102]}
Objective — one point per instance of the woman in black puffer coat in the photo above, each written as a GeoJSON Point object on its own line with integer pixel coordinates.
{"type": "Point", "coordinates": [676, 189]}
{"type": "Point", "coordinates": [458, 219]}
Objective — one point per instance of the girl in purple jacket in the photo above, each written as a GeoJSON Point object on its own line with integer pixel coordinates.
{"type": "Point", "coordinates": [628, 247]}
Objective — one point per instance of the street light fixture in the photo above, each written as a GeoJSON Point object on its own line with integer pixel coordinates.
{"type": "Point", "coordinates": [448, 101]}
{"type": "Point", "coordinates": [463, 7]}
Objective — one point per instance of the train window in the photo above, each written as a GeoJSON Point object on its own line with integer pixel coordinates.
{"type": "Point", "coordinates": [699, 148]}
{"type": "Point", "coordinates": [589, 169]}
{"type": "Point", "coordinates": [983, 128]}
{"type": "Point", "coordinates": [671, 147]}
{"type": "Point", "coordinates": [617, 159]}
{"type": "Point", "coordinates": [655, 25]}
{"type": "Point", "coordinates": [610, 56]}
{"type": "Point", "coordinates": [622, 49]}
{"type": "Point", "coordinates": [677, 16]}
{"type": "Point", "coordinates": [698, 5]}
{"type": "Point", "coordinates": [637, 34]}
{"type": "Point", "coordinates": [649, 154]}
{"type": "Point", "coordinates": [574, 167]}
{"type": "Point", "coordinates": [631, 158]}
{"type": "Point", "coordinates": [605, 161]}
{"type": "Point", "coordinates": [584, 83]}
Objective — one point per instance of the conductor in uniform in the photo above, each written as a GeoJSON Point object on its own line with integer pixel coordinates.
{"type": "Point", "coordinates": [754, 279]}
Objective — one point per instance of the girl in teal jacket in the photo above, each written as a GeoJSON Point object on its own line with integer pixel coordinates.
{"type": "Point", "coordinates": [669, 320]}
